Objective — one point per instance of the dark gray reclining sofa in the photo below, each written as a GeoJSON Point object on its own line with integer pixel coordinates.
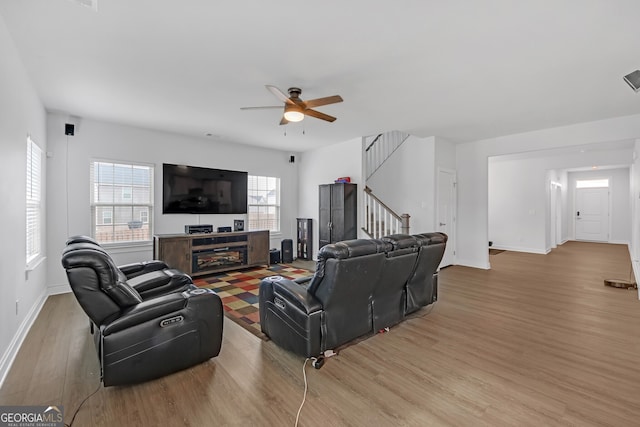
{"type": "Point", "coordinates": [359, 287]}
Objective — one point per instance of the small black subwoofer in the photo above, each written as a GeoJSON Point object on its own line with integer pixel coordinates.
{"type": "Point", "coordinates": [274, 256]}
{"type": "Point", "coordinates": [287, 250]}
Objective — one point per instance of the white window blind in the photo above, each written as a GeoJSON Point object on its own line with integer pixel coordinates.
{"type": "Point", "coordinates": [34, 198]}
{"type": "Point", "coordinates": [121, 201]}
{"type": "Point", "coordinates": [264, 203]}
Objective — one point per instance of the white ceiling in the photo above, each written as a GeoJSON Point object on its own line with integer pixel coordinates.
{"type": "Point", "coordinates": [463, 70]}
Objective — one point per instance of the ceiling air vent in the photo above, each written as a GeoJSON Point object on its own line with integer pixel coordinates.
{"type": "Point", "coordinates": [91, 4]}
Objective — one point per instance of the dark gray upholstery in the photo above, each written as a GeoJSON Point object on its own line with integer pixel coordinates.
{"type": "Point", "coordinates": [130, 270]}
{"type": "Point", "coordinates": [148, 278]}
{"type": "Point", "coordinates": [141, 338]}
{"type": "Point", "coordinates": [359, 287]}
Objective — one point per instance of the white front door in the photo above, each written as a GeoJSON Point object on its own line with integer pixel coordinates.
{"type": "Point", "coordinates": [446, 213]}
{"type": "Point", "coordinates": [592, 214]}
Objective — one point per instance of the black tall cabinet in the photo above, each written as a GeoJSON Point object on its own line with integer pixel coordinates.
{"type": "Point", "coordinates": [338, 217]}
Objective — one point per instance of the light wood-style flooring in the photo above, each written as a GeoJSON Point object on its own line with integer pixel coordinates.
{"type": "Point", "coordinates": [536, 341]}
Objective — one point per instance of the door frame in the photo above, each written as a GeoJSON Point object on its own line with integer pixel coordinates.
{"type": "Point", "coordinates": [610, 202]}
{"type": "Point", "coordinates": [555, 214]}
{"type": "Point", "coordinates": [451, 242]}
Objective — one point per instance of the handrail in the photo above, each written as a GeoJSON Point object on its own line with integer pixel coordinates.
{"type": "Point", "coordinates": [373, 142]}
{"type": "Point", "coordinates": [380, 220]}
{"type": "Point", "coordinates": [387, 208]}
{"type": "Point", "coordinates": [380, 149]}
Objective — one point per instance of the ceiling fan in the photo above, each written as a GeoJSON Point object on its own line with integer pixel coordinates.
{"type": "Point", "coordinates": [295, 108]}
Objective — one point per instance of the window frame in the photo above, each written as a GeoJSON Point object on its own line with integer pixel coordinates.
{"type": "Point", "coordinates": [125, 202]}
{"type": "Point", "coordinates": [276, 205]}
{"type": "Point", "coordinates": [33, 204]}
{"type": "Point", "coordinates": [593, 183]}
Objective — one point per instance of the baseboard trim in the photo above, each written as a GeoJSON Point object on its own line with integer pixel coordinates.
{"type": "Point", "coordinates": [464, 263]}
{"type": "Point", "coordinates": [520, 249]}
{"type": "Point", "coordinates": [619, 242]}
{"type": "Point", "coordinates": [14, 346]}
{"type": "Point", "coordinates": [59, 289]}
{"type": "Point", "coordinates": [636, 273]}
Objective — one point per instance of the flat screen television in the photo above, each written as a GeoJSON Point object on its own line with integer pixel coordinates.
{"type": "Point", "coordinates": [196, 190]}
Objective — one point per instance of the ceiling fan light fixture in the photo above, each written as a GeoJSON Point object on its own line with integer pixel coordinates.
{"type": "Point", "coordinates": [293, 113]}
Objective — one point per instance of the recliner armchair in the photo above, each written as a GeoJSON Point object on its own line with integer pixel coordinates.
{"type": "Point", "coordinates": [138, 338]}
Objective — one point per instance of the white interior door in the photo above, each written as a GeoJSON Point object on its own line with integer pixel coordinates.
{"type": "Point", "coordinates": [592, 214]}
{"type": "Point", "coordinates": [446, 213]}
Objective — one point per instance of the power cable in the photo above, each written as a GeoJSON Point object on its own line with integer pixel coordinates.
{"type": "Point", "coordinates": [304, 396]}
{"type": "Point", "coordinates": [85, 399]}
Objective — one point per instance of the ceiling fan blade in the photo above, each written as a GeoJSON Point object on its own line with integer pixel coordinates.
{"type": "Point", "coordinates": [284, 121]}
{"type": "Point", "coordinates": [323, 101]}
{"type": "Point", "coordinates": [261, 108]}
{"type": "Point", "coordinates": [319, 115]}
{"type": "Point", "coordinates": [279, 94]}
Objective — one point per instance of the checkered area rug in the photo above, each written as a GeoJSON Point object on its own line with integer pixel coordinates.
{"type": "Point", "coordinates": [239, 292]}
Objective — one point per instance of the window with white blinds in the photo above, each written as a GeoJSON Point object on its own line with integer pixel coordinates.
{"type": "Point", "coordinates": [264, 203]}
{"type": "Point", "coordinates": [34, 200]}
{"type": "Point", "coordinates": [121, 202]}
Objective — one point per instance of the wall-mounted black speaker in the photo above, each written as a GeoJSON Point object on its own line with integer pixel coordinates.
{"type": "Point", "coordinates": [69, 129]}
{"type": "Point", "coordinates": [292, 159]}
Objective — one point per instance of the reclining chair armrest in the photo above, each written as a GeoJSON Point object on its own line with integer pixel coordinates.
{"type": "Point", "coordinates": [296, 294]}
{"type": "Point", "coordinates": [145, 311]}
{"type": "Point", "coordinates": [137, 268]}
{"type": "Point", "coordinates": [291, 316]}
{"type": "Point", "coordinates": [160, 282]}
{"type": "Point", "coordinates": [304, 281]}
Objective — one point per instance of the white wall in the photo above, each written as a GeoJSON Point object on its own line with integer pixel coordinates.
{"type": "Point", "coordinates": [519, 195]}
{"type": "Point", "coordinates": [635, 210]}
{"type": "Point", "coordinates": [21, 113]}
{"type": "Point", "coordinates": [517, 203]}
{"type": "Point", "coordinates": [472, 169]}
{"type": "Point", "coordinates": [406, 182]}
{"type": "Point", "coordinates": [620, 203]}
{"type": "Point", "coordinates": [323, 166]}
{"type": "Point", "coordinates": [68, 178]}
{"type": "Point", "coordinates": [445, 154]}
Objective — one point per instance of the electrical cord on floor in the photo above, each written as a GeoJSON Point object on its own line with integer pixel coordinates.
{"type": "Point", "coordinates": [304, 396]}
{"type": "Point", "coordinates": [316, 362]}
{"type": "Point", "coordinates": [78, 410]}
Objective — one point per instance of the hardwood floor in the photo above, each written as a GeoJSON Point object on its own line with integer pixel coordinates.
{"type": "Point", "coordinates": [537, 340]}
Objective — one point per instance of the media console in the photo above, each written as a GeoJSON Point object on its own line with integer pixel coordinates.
{"type": "Point", "coordinates": [207, 253]}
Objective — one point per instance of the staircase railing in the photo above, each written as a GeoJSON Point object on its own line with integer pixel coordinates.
{"type": "Point", "coordinates": [378, 148]}
{"type": "Point", "coordinates": [379, 219]}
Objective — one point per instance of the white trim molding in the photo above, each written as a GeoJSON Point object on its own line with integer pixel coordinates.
{"type": "Point", "coordinates": [14, 346]}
